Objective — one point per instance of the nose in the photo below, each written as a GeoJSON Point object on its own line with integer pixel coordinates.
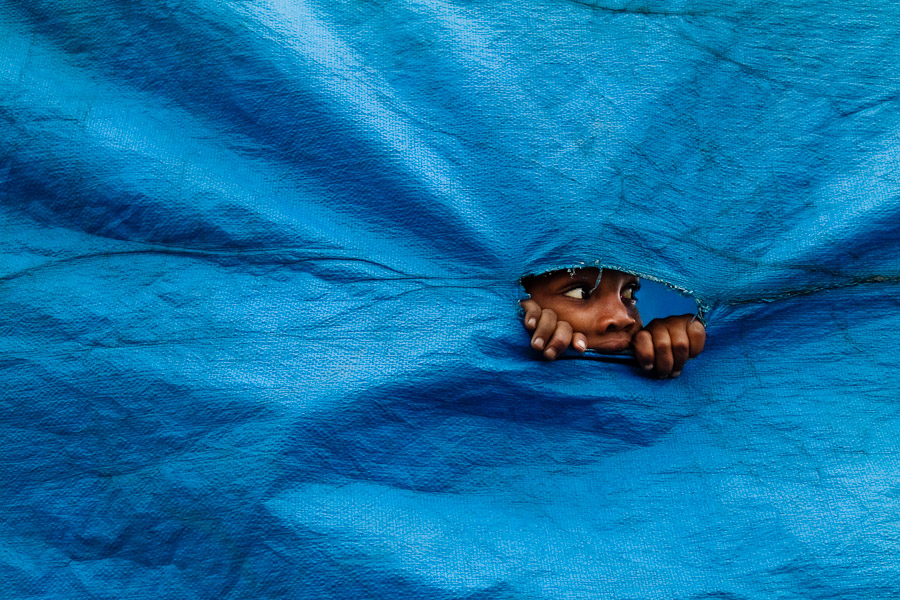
{"type": "Point", "coordinates": [614, 316]}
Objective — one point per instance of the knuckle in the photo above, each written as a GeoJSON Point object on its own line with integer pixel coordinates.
{"type": "Point", "coordinates": [560, 339]}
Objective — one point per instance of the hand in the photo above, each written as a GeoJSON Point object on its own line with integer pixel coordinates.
{"type": "Point", "coordinates": [664, 345]}
{"type": "Point", "coordinates": [551, 336]}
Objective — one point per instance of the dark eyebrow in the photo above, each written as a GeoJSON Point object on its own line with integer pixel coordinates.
{"type": "Point", "coordinates": [580, 279]}
{"type": "Point", "coordinates": [574, 285]}
{"type": "Point", "coordinates": [559, 280]}
{"type": "Point", "coordinates": [576, 281]}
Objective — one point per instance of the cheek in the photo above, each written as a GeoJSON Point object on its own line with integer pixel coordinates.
{"type": "Point", "coordinates": [581, 323]}
{"type": "Point", "coordinates": [578, 318]}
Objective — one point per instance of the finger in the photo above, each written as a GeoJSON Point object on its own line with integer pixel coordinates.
{"type": "Point", "coordinates": [697, 334]}
{"type": "Point", "coordinates": [545, 328]}
{"type": "Point", "coordinates": [532, 313]}
{"type": "Point", "coordinates": [642, 344]}
{"type": "Point", "coordinates": [681, 348]}
{"type": "Point", "coordinates": [579, 342]}
{"type": "Point", "coordinates": [560, 340]}
{"type": "Point", "coordinates": [662, 350]}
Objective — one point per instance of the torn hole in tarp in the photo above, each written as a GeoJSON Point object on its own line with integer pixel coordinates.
{"type": "Point", "coordinates": [658, 299]}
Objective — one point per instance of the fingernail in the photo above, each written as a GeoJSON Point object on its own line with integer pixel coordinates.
{"type": "Point", "coordinates": [550, 353]}
{"type": "Point", "coordinates": [538, 343]}
{"type": "Point", "coordinates": [580, 344]}
{"type": "Point", "coordinates": [647, 366]}
{"type": "Point", "coordinates": [676, 373]}
{"type": "Point", "coordinates": [532, 322]}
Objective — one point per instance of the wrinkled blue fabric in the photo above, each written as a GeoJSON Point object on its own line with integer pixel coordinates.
{"type": "Point", "coordinates": [258, 284]}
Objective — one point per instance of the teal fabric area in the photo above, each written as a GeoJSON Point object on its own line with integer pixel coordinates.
{"type": "Point", "coordinates": [259, 269]}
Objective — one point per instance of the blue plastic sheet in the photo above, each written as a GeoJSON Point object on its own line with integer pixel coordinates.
{"type": "Point", "coordinates": [258, 283]}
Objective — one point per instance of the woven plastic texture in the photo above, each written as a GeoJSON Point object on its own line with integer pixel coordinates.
{"type": "Point", "coordinates": [258, 279]}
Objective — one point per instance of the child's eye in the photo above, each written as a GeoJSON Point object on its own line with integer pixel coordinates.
{"type": "Point", "coordinates": [629, 293]}
{"type": "Point", "coordinates": [580, 292]}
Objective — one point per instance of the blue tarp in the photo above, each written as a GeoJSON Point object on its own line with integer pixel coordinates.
{"type": "Point", "coordinates": [258, 284]}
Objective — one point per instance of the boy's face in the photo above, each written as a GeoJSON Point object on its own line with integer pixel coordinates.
{"type": "Point", "coordinates": [605, 312]}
